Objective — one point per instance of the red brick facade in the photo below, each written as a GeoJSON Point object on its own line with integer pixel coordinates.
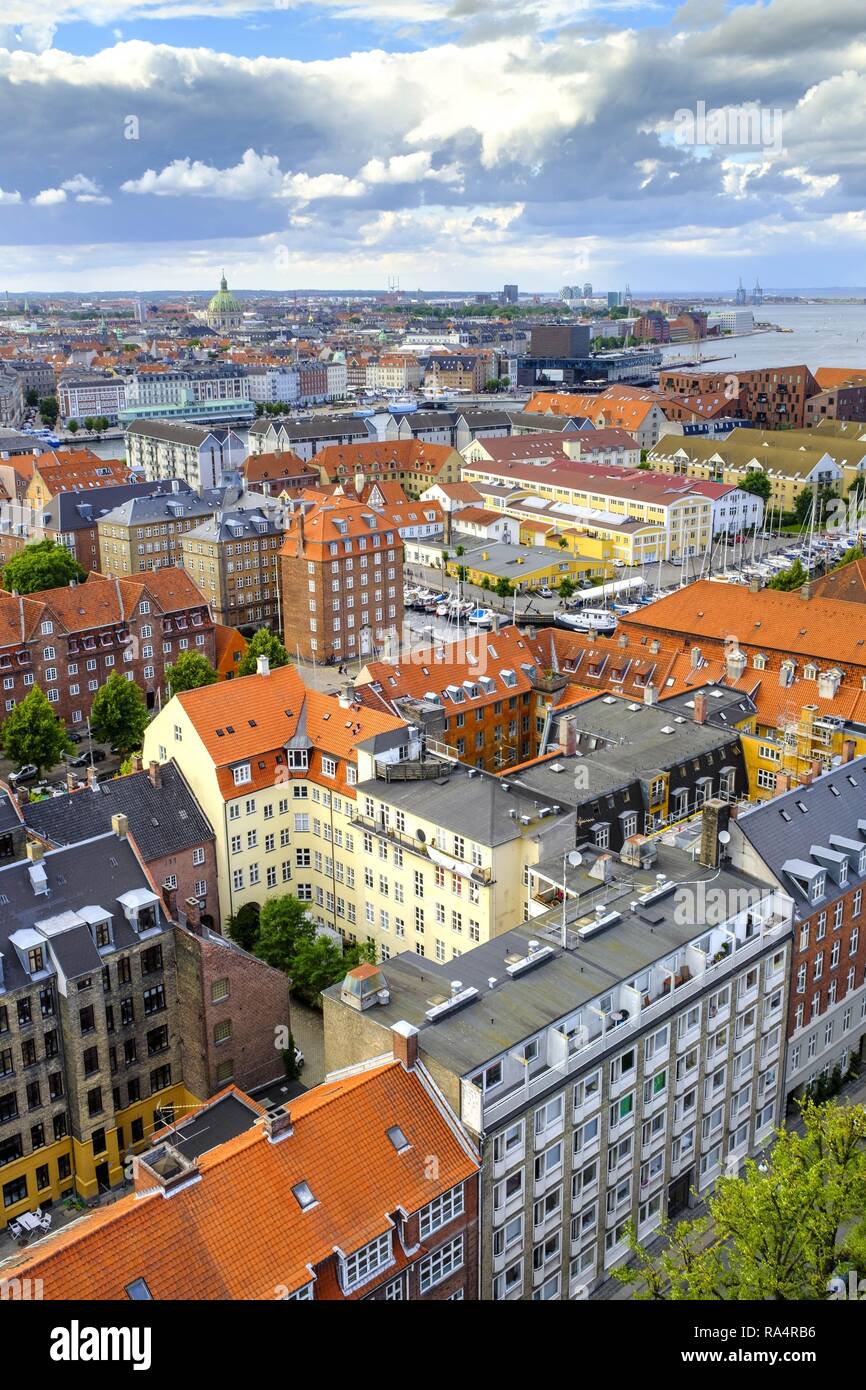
{"type": "Point", "coordinates": [69, 641]}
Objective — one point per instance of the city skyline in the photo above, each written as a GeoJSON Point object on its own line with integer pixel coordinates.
{"type": "Point", "coordinates": [342, 146]}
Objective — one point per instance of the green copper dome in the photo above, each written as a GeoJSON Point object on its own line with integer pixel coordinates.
{"type": "Point", "coordinates": [223, 302]}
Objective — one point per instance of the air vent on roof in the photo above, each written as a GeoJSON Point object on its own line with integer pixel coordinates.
{"type": "Point", "coordinates": [303, 1196]}
{"type": "Point", "coordinates": [537, 956]}
{"type": "Point", "coordinates": [600, 924]}
{"type": "Point", "coordinates": [452, 1004]}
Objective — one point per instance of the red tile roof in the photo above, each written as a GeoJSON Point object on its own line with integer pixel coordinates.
{"type": "Point", "coordinates": [238, 1232]}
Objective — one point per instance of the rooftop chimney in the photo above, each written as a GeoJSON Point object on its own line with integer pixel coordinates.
{"type": "Point", "coordinates": [805, 590]}
{"type": "Point", "coordinates": [754, 585]}
{"type": "Point", "coordinates": [92, 777]}
{"type": "Point", "coordinates": [120, 824]}
{"type": "Point", "coordinates": [263, 666]}
{"type": "Point", "coordinates": [154, 772]}
{"type": "Point", "coordinates": [701, 707]}
{"type": "Point", "coordinates": [347, 695]}
{"type": "Point", "coordinates": [650, 695]}
{"type": "Point", "coordinates": [714, 819]}
{"type": "Point", "coordinates": [783, 782]}
{"type": "Point", "coordinates": [278, 1124]}
{"type": "Point", "coordinates": [137, 762]}
{"type": "Point", "coordinates": [404, 1044]}
{"type": "Point", "coordinates": [35, 850]}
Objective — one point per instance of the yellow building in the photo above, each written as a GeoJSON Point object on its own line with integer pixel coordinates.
{"type": "Point", "coordinates": [643, 514]}
{"type": "Point", "coordinates": [792, 460]}
{"type": "Point", "coordinates": [525, 566]}
{"type": "Point", "coordinates": [314, 795]}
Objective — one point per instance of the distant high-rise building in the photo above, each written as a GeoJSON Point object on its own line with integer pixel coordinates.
{"type": "Point", "coordinates": [614, 299]}
{"type": "Point", "coordinates": [587, 290]}
{"type": "Point", "coordinates": [626, 299]}
{"type": "Point", "coordinates": [509, 294]}
{"type": "Point", "coordinates": [740, 297]}
{"type": "Point", "coordinates": [757, 293]}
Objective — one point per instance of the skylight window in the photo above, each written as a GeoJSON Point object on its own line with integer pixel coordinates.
{"type": "Point", "coordinates": [398, 1139]}
{"type": "Point", "coordinates": [138, 1291]}
{"type": "Point", "coordinates": [303, 1196]}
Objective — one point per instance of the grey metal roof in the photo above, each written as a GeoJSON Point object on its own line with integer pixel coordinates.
{"type": "Point", "coordinates": [178, 433]}
{"type": "Point", "coordinates": [157, 506]}
{"type": "Point", "coordinates": [92, 873]}
{"type": "Point", "coordinates": [785, 831]}
{"type": "Point", "coordinates": [74, 511]}
{"type": "Point", "coordinates": [162, 820]}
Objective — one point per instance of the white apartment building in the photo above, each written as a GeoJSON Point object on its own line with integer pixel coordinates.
{"type": "Point", "coordinates": [80, 397]}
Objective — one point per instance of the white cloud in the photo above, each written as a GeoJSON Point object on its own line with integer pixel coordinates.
{"type": "Point", "coordinates": [409, 168]}
{"type": "Point", "coordinates": [255, 176]}
{"type": "Point", "coordinates": [8, 198]}
{"type": "Point", "coordinates": [49, 197]}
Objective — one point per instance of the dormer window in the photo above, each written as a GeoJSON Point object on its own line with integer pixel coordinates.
{"type": "Point", "coordinates": [810, 672]}
{"type": "Point", "coordinates": [299, 759]}
{"type": "Point", "coordinates": [35, 960]}
{"type": "Point", "coordinates": [366, 1262]}
{"type": "Point", "coordinates": [818, 887]}
{"type": "Point", "coordinates": [242, 774]}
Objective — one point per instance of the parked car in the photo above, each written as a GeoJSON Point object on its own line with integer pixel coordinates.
{"type": "Point", "coordinates": [299, 1059]}
{"type": "Point", "coordinates": [98, 755]}
{"type": "Point", "coordinates": [545, 592]}
{"type": "Point", "coordinates": [76, 735]}
{"type": "Point", "coordinates": [27, 773]}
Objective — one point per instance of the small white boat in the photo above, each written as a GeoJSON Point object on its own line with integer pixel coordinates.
{"type": "Point", "coordinates": [598, 620]}
{"type": "Point", "coordinates": [481, 617]}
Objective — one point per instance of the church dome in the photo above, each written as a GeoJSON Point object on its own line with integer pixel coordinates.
{"type": "Point", "coordinates": [224, 301]}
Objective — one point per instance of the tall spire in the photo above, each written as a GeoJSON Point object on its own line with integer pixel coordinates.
{"type": "Point", "coordinates": [223, 282]}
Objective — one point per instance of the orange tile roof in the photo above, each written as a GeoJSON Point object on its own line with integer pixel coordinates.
{"type": "Point", "coordinates": [839, 376]}
{"type": "Point", "coordinates": [283, 463]}
{"type": "Point", "coordinates": [451, 663]}
{"type": "Point", "coordinates": [333, 519]}
{"type": "Point", "coordinates": [238, 1233]}
{"type": "Point", "coordinates": [389, 456]}
{"type": "Point", "coordinates": [771, 619]}
{"type": "Point", "coordinates": [253, 717]}
{"type": "Point", "coordinates": [847, 584]}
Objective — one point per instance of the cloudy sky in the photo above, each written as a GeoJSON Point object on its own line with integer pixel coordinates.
{"type": "Point", "coordinates": [450, 143]}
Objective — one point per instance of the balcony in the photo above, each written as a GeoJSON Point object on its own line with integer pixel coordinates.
{"type": "Point", "coordinates": [587, 1043]}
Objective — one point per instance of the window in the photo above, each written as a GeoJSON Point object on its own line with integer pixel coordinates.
{"type": "Point", "coordinates": [361, 1266]}
{"type": "Point", "coordinates": [442, 1263]}
{"type": "Point", "coordinates": [440, 1211]}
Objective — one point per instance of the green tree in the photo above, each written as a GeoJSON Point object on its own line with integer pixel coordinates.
{"type": "Point", "coordinates": [566, 587]}
{"type": "Point", "coordinates": [31, 397]}
{"type": "Point", "coordinates": [88, 422]}
{"type": "Point", "coordinates": [189, 672]}
{"type": "Point", "coordinates": [41, 565]}
{"type": "Point", "coordinates": [263, 643]}
{"type": "Point", "coordinates": [283, 924]}
{"type": "Point", "coordinates": [460, 550]}
{"type": "Point", "coordinates": [485, 584]}
{"type": "Point", "coordinates": [72, 426]}
{"type": "Point", "coordinates": [49, 410]}
{"type": "Point", "coordinates": [316, 965]}
{"type": "Point", "coordinates": [756, 482]}
{"type": "Point", "coordinates": [118, 715]}
{"type": "Point", "coordinates": [782, 1230]}
{"type": "Point", "coordinates": [811, 501]}
{"type": "Point", "coordinates": [126, 767]}
{"type": "Point", "coordinates": [100, 423]}
{"type": "Point", "coordinates": [32, 733]}
{"type": "Point", "coordinates": [504, 588]}
{"type": "Point", "coordinates": [243, 926]}
{"type": "Point", "coordinates": [792, 578]}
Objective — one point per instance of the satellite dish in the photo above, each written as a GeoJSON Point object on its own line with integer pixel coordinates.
{"type": "Point", "coordinates": [574, 858]}
{"type": "Point", "coordinates": [724, 837]}
{"type": "Point", "coordinates": [419, 835]}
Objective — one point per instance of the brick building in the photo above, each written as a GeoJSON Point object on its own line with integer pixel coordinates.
{"type": "Point", "coordinates": [233, 557]}
{"type": "Point", "coordinates": [68, 641]}
{"type": "Point", "coordinates": [771, 397]}
{"type": "Point", "coordinates": [344, 1167]}
{"type": "Point", "coordinates": [224, 1039]}
{"type": "Point", "coordinates": [341, 580]}
{"type": "Point", "coordinates": [70, 519]}
{"type": "Point", "coordinates": [811, 840]}
{"type": "Point", "coordinates": [276, 473]}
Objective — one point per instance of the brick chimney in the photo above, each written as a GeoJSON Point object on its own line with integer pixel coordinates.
{"type": "Point", "coordinates": [701, 707]}
{"type": "Point", "coordinates": [848, 746]}
{"type": "Point", "coordinates": [154, 772]}
{"type": "Point", "coordinates": [805, 590]}
{"type": "Point", "coordinates": [92, 777]}
{"type": "Point", "coordinates": [404, 1044]}
{"type": "Point", "coordinates": [70, 780]}
{"type": "Point", "coordinates": [278, 1124]}
{"type": "Point", "coordinates": [783, 783]}
{"type": "Point", "coordinates": [714, 819]}
{"type": "Point", "coordinates": [137, 762]}
{"type": "Point", "coordinates": [754, 585]}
